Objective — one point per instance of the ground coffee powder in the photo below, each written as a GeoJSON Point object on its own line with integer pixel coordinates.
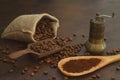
{"type": "Point", "coordinates": [80, 65]}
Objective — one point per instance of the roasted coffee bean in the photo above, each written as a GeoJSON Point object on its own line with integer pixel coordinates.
{"type": "Point", "coordinates": [74, 35]}
{"type": "Point", "coordinates": [48, 79]}
{"type": "Point", "coordinates": [53, 77]}
{"type": "Point", "coordinates": [118, 68]}
{"type": "Point", "coordinates": [66, 78]}
{"type": "Point", "coordinates": [89, 78]}
{"type": "Point", "coordinates": [15, 65]}
{"type": "Point", "coordinates": [93, 76]}
{"type": "Point", "coordinates": [44, 48]}
{"type": "Point", "coordinates": [25, 69]}
{"type": "Point", "coordinates": [13, 61]}
{"type": "Point", "coordinates": [35, 70]}
{"type": "Point", "coordinates": [117, 50]}
{"type": "Point", "coordinates": [32, 74]}
{"type": "Point", "coordinates": [43, 30]}
{"type": "Point", "coordinates": [105, 39]}
{"type": "Point", "coordinates": [113, 78]}
{"type": "Point", "coordinates": [0, 58]}
{"type": "Point", "coordinates": [5, 60]}
{"type": "Point", "coordinates": [45, 72]}
{"type": "Point", "coordinates": [40, 62]}
{"type": "Point", "coordinates": [37, 67]}
{"type": "Point", "coordinates": [83, 35]}
{"type": "Point", "coordinates": [26, 78]}
{"type": "Point", "coordinates": [4, 51]}
{"type": "Point", "coordinates": [97, 75]}
{"type": "Point", "coordinates": [1, 48]}
{"type": "Point", "coordinates": [70, 38]}
{"type": "Point", "coordinates": [48, 60]}
{"type": "Point", "coordinates": [11, 70]}
{"type": "Point", "coordinates": [23, 72]}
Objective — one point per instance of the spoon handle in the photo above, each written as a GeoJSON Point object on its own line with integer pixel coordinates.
{"type": "Point", "coordinates": [20, 53]}
{"type": "Point", "coordinates": [114, 58]}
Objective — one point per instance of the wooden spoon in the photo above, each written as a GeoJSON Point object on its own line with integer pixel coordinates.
{"type": "Point", "coordinates": [105, 60]}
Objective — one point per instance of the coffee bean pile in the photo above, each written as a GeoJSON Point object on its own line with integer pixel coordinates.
{"type": "Point", "coordinates": [66, 52]}
{"type": "Point", "coordinates": [44, 46]}
{"type": "Point", "coordinates": [50, 44]}
{"type": "Point", "coordinates": [44, 30]}
{"type": "Point", "coordinates": [62, 41]}
{"type": "Point", "coordinates": [113, 52]}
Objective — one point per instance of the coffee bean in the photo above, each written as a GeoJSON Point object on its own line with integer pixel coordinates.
{"type": "Point", "coordinates": [26, 78]}
{"type": "Point", "coordinates": [40, 62]}
{"type": "Point", "coordinates": [89, 78]}
{"type": "Point", "coordinates": [118, 68]}
{"type": "Point", "coordinates": [66, 78]}
{"type": "Point", "coordinates": [113, 78]}
{"type": "Point", "coordinates": [45, 72]}
{"type": "Point", "coordinates": [5, 60]}
{"type": "Point", "coordinates": [105, 39]}
{"type": "Point", "coordinates": [117, 50]}
{"type": "Point", "coordinates": [53, 77]}
{"type": "Point", "coordinates": [44, 48]}
{"type": "Point", "coordinates": [70, 39]}
{"type": "Point", "coordinates": [74, 35]}
{"type": "Point", "coordinates": [13, 61]}
{"type": "Point", "coordinates": [14, 65]}
{"type": "Point", "coordinates": [44, 29]}
{"type": "Point", "coordinates": [97, 75]}
{"type": "Point", "coordinates": [93, 76]}
{"type": "Point", "coordinates": [35, 70]}
{"type": "Point", "coordinates": [11, 70]}
{"type": "Point", "coordinates": [23, 72]}
{"type": "Point", "coordinates": [25, 69]}
{"type": "Point", "coordinates": [83, 35]}
{"type": "Point", "coordinates": [32, 74]}
{"type": "Point", "coordinates": [0, 58]}
{"type": "Point", "coordinates": [4, 51]}
{"type": "Point", "coordinates": [37, 67]}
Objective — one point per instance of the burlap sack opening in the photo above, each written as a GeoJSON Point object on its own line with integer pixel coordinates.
{"type": "Point", "coordinates": [23, 27]}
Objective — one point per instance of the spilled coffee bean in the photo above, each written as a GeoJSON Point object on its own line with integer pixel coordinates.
{"type": "Point", "coordinates": [66, 52]}
{"type": "Point", "coordinates": [53, 77]}
{"type": "Point", "coordinates": [66, 78]}
{"type": "Point", "coordinates": [32, 74]}
{"type": "Point", "coordinates": [11, 70]}
{"type": "Point", "coordinates": [113, 78]}
{"type": "Point", "coordinates": [113, 52]}
{"type": "Point", "coordinates": [118, 68]}
{"type": "Point", "coordinates": [45, 72]}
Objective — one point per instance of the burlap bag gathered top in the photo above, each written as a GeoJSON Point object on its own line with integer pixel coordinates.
{"type": "Point", "coordinates": [23, 27]}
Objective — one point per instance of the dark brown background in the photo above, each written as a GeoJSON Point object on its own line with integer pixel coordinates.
{"type": "Point", "coordinates": [74, 16]}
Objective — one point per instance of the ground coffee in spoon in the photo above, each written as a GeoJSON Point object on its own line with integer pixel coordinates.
{"type": "Point", "coordinates": [80, 65]}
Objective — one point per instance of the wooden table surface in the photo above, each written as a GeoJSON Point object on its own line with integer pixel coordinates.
{"type": "Point", "coordinates": [74, 16]}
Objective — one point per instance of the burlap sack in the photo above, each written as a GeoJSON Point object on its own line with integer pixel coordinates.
{"type": "Point", "coordinates": [23, 27]}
